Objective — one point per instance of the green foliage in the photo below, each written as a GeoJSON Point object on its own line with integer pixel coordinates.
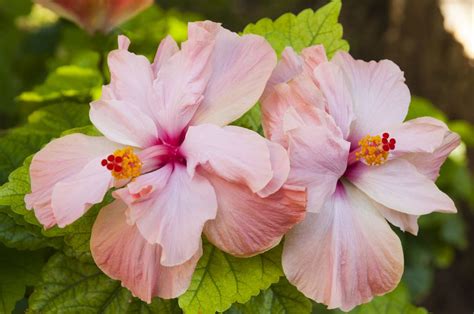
{"type": "Point", "coordinates": [251, 120]}
{"type": "Point", "coordinates": [395, 302]}
{"type": "Point", "coordinates": [17, 271]}
{"type": "Point", "coordinates": [281, 297]}
{"type": "Point", "coordinates": [306, 29]}
{"type": "Point", "coordinates": [221, 279]}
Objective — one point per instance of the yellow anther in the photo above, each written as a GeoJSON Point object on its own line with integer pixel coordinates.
{"type": "Point", "coordinates": [127, 164]}
{"type": "Point", "coordinates": [372, 150]}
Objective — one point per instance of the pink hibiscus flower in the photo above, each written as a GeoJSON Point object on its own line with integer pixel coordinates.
{"type": "Point", "coordinates": [342, 124]}
{"type": "Point", "coordinates": [184, 171]}
{"type": "Point", "coordinates": [94, 15]}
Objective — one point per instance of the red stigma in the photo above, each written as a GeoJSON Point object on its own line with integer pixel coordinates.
{"type": "Point", "coordinates": [386, 148]}
{"type": "Point", "coordinates": [104, 162]}
{"type": "Point", "coordinates": [112, 163]}
{"type": "Point", "coordinates": [118, 159]}
{"type": "Point", "coordinates": [110, 166]}
{"type": "Point", "coordinates": [392, 141]}
{"type": "Point", "coordinates": [111, 158]}
{"type": "Point", "coordinates": [385, 135]}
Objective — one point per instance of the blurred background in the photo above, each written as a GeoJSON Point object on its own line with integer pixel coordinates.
{"type": "Point", "coordinates": [432, 41]}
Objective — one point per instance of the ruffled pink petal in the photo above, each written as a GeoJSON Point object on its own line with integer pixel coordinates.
{"type": "Point", "coordinates": [131, 78]}
{"type": "Point", "coordinates": [181, 83]}
{"type": "Point", "coordinates": [123, 123]}
{"type": "Point", "coordinates": [289, 66]}
{"type": "Point", "coordinates": [280, 167]}
{"type": "Point", "coordinates": [344, 255]}
{"type": "Point", "coordinates": [379, 94]}
{"type": "Point", "coordinates": [334, 86]}
{"type": "Point", "coordinates": [241, 66]}
{"type": "Point", "coordinates": [167, 48]}
{"type": "Point", "coordinates": [74, 195]}
{"type": "Point", "coordinates": [247, 224]}
{"type": "Point", "coordinates": [318, 159]}
{"type": "Point", "coordinates": [403, 221]}
{"type": "Point", "coordinates": [173, 214]}
{"type": "Point", "coordinates": [399, 186]}
{"type": "Point", "coordinates": [234, 153]}
{"type": "Point", "coordinates": [121, 252]}
{"type": "Point", "coordinates": [418, 135]}
{"type": "Point", "coordinates": [429, 164]}
{"type": "Point", "coordinates": [61, 160]}
{"type": "Point", "coordinates": [313, 56]}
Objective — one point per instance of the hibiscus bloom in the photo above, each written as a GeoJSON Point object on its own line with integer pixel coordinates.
{"type": "Point", "coordinates": [342, 124]}
{"type": "Point", "coordinates": [181, 168]}
{"type": "Point", "coordinates": [94, 15]}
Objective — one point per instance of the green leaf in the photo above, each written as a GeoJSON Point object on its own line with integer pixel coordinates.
{"type": "Point", "coordinates": [43, 125]}
{"type": "Point", "coordinates": [306, 29]}
{"type": "Point", "coordinates": [281, 297]}
{"type": "Point", "coordinates": [221, 279]}
{"type": "Point", "coordinates": [17, 270]}
{"type": "Point", "coordinates": [156, 306]}
{"type": "Point", "coordinates": [23, 236]}
{"type": "Point", "coordinates": [395, 302]}
{"type": "Point", "coordinates": [251, 120]}
{"type": "Point", "coordinates": [69, 286]}
{"type": "Point", "coordinates": [65, 83]}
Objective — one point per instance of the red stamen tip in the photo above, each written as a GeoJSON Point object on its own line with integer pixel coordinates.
{"type": "Point", "coordinates": [385, 135]}
{"type": "Point", "coordinates": [117, 168]}
{"type": "Point", "coordinates": [384, 141]}
{"type": "Point", "coordinates": [118, 159]}
{"type": "Point", "coordinates": [103, 162]}
{"type": "Point", "coordinates": [392, 146]}
{"type": "Point", "coordinates": [386, 148]}
{"type": "Point", "coordinates": [392, 141]}
{"type": "Point", "coordinates": [111, 158]}
{"type": "Point", "coordinates": [110, 166]}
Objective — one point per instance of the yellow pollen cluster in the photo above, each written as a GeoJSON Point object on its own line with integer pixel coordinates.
{"type": "Point", "coordinates": [130, 165]}
{"type": "Point", "coordinates": [371, 150]}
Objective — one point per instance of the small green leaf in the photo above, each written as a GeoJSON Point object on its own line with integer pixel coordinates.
{"type": "Point", "coordinates": [17, 270]}
{"type": "Point", "coordinates": [221, 279]}
{"type": "Point", "coordinates": [306, 29]}
{"type": "Point", "coordinates": [23, 236]}
{"type": "Point", "coordinates": [65, 83]}
{"type": "Point", "coordinates": [69, 286]}
{"type": "Point", "coordinates": [280, 298]}
{"type": "Point", "coordinates": [395, 302]}
{"type": "Point", "coordinates": [251, 120]}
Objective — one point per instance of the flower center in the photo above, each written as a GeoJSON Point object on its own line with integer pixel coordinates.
{"type": "Point", "coordinates": [123, 164]}
{"type": "Point", "coordinates": [375, 149]}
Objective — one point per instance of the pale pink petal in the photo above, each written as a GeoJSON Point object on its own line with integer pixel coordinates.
{"type": "Point", "coordinates": [247, 224]}
{"type": "Point", "coordinates": [313, 56]}
{"type": "Point", "coordinates": [174, 215]}
{"type": "Point", "coordinates": [379, 94]}
{"type": "Point", "coordinates": [318, 159]}
{"type": "Point", "coordinates": [60, 160]}
{"type": "Point", "coordinates": [398, 185]}
{"type": "Point", "coordinates": [131, 78]}
{"type": "Point", "coordinates": [289, 66]}
{"type": "Point", "coordinates": [167, 48]}
{"type": "Point", "coordinates": [241, 67]}
{"type": "Point", "coordinates": [123, 123]}
{"type": "Point", "coordinates": [121, 252]}
{"type": "Point", "coordinates": [74, 195]}
{"type": "Point", "coordinates": [181, 82]}
{"type": "Point", "coordinates": [334, 86]}
{"type": "Point", "coordinates": [286, 98]}
{"type": "Point", "coordinates": [344, 255]}
{"type": "Point", "coordinates": [429, 164]}
{"type": "Point", "coordinates": [280, 167]}
{"type": "Point", "coordinates": [418, 135]}
{"type": "Point", "coordinates": [234, 153]}
{"type": "Point", "coordinates": [403, 221]}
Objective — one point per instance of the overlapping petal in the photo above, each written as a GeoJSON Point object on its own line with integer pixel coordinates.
{"type": "Point", "coordinates": [247, 224]}
{"type": "Point", "coordinates": [124, 254]}
{"type": "Point", "coordinates": [64, 160]}
{"type": "Point", "coordinates": [344, 255]}
{"type": "Point", "coordinates": [241, 66]}
{"type": "Point", "coordinates": [172, 214]}
{"type": "Point", "coordinates": [236, 154]}
{"type": "Point", "coordinates": [399, 186]}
